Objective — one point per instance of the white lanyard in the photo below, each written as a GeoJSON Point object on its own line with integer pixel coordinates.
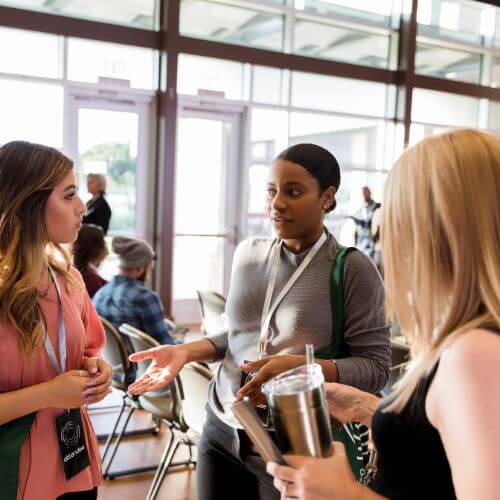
{"type": "Point", "coordinates": [268, 309]}
{"type": "Point", "coordinates": [61, 333]}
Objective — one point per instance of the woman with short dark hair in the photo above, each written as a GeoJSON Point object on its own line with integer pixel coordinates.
{"type": "Point", "coordinates": [267, 337]}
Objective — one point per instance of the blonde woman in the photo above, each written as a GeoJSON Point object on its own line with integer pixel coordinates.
{"type": "Point", "coordinates": [50, 333]}
{"type": "Point", "coordinates": [98, 210]}
{"type": "Point", "coordinates": [438, 435]}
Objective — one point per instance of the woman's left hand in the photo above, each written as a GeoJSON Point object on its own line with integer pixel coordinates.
{"type": "Point", "coordinates": [266, 368]}
{"type": "Point", "coordinates": [310, 478]}
{"type": "Point", "coordinates": [100, 385]}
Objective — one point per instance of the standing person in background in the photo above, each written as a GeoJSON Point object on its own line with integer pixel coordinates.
{"type": "Point", "coordinates": [98, 211]}
{"type": "Point", "coordinates": [89, 250]}
{"type": "Point", "coordinates": [438, 434]}
{"type": "Point", "coordinates": [50, 334]}
{"type": "Point", "coordinates": [363, 237]}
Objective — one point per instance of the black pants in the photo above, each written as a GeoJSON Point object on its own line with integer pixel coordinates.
{"type": "Point", "coordinates": [229, 467]}
{"type": "Point", "coordinates": [80, 495]}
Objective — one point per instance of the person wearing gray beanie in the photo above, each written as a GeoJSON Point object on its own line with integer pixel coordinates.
{"type": "Point", "coordinates": [126, 299]}
{"type": "Point", "coordinates": [132, 252]}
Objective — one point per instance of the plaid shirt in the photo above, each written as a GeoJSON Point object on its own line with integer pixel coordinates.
{"type": "Point", "coordinates": [127, 300]}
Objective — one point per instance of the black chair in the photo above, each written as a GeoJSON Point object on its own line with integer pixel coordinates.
{"type": "Point", "coordinates": [185, 414]}
{"type": "Point", "coordinates": [212, 307]}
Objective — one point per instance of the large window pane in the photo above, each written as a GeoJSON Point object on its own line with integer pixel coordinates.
{"type": "Point", "coordinates": [107, 144]}
{"type": "Point", "coordinates": [374, 11]}
{"type": "Point", "coordinates": [447, 63]}
{"type": "Point", "coordinates": [269, 136]}
{"type": "Point", "coordinates": [207, 163]}
{"type": "Point", "coordinates": [338, 94]}
{"type": "Point", "coordinates": [136, 13]}
{"type": "Point", "coordinates": [270, 85]}
{"type": "Point", "coordinates": [195, 73]}
{"type": "Point", "coordinates": [29, 53]}
{"type": "Point", "coordinates": [420, 131]}
{"type": "Point", "coordinates": [462, 20]}
{"type": "Point", "coordinates": [201, 259]}
{"type": "Point", "coordinates": [495, 72]}
{"type": "Point", "coordinates": [231, 24]}
{"type": "Point", "coordinates": [89, 60]}
{"type": "Point", "coordinates": [494, 115]}
{"type": "Point", "coordinates": [31, 112]}
{"type": "Point", "coordinates": [340, 44]}
{"type": "Point", "coordinates": [442, 108]}
{"type": "Point", "coordinates": [357, 143]}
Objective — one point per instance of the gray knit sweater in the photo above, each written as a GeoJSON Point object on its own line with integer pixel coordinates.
{"type": "Point", "coordinates": [303, 316]}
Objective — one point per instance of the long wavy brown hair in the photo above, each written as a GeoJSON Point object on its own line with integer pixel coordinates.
{"type": "Point", "coordinates": [28, 174]}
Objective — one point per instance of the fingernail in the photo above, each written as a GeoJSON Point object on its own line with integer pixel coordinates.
{"type": "Point", "coordinates": [86, 393]}
{"type": "Point", "coordinates": [93, 370]}
{"type": "Point", "coordinates": [91, 384]}
{"type": "Point", "coordinates": [89, 399]}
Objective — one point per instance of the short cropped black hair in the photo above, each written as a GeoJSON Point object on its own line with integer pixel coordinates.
{"type": "Point", "coordinates": [318, 161]}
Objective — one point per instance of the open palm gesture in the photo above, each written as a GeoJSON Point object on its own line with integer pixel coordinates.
{"type": "Point", "coordinates": [167, 362]}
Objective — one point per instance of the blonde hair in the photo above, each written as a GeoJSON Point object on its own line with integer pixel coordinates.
{"type": "Point", "coordinates": [28, 174]}
{"type": "Point", "coordinates": [101, 181]}
{"type": "Point", "coordinates": [440, 244]}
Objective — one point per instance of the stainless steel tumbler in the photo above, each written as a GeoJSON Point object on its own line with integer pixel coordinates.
{"type": "Point", "coordinates": [299, 411]}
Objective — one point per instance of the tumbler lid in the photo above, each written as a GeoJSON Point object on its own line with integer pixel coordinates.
{"type": "Point", "coordinates": [296, 380]}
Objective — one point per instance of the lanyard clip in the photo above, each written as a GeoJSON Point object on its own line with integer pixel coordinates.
{"type": "Point", "coordinates": [263, 343]}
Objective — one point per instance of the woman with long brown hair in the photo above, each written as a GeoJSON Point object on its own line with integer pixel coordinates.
{"type": "Point", "coordinates": [438, 434]}
{"type": "Point", "coordinates": [50, 333]}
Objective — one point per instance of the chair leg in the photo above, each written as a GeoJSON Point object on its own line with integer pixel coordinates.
{"type": "Point", "coordinates": [112, 433]}
{"type": "Point", "coordinates": [163, 467]}
{"type": "Point", "coordinates": [120, 436]}
{"type": "Point", "coordinates": [164, 456]}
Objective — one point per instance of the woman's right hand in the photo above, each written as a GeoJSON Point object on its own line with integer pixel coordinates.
{"type": "Point", "coordinates": [167, 362]}
{"type": "Point", "coordinates": [348, 404]}
{"type": "Point", "coordinates": [67, 390]}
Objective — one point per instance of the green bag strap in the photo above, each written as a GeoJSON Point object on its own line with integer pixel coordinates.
{"type": "Point", "coordinates": [338, 348]}
{"type": "Point", "coordinates": [12, 437]}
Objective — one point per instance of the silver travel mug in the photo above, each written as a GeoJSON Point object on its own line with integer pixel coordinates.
{"type": "Point", "coordinates": [299, 410]}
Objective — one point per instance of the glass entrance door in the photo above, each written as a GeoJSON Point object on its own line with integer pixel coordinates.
{"type": "Point", "coordinates": [109, 136]}
{"type": "Point", "coordinates": [206, 206]}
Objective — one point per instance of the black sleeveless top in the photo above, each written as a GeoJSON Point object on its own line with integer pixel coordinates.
{"type": "Point", "coordinates": [411, 460]}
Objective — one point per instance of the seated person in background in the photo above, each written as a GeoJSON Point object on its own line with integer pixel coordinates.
{"type": "Point", "coordinates": [89, 250]}
{"type": "Point", "coordinates": [125, 299]}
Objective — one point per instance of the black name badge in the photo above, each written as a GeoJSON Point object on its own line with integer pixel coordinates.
{"type": "Point", "coordinates": [262, 410]}
{"type": "Point", "coordinates": [71, 439]}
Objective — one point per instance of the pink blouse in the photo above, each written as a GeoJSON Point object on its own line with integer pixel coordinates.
{"type": "Point", "coordinates": [41, 474]}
